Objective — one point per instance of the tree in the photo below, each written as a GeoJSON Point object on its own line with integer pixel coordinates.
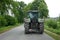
{"type": "Point", "coordinates": [18, 11]}
{"type": "Point", "coordinates": [6, 19]}
{"type": "Point", "coordinates": [4, 5]}
{"type": "Point", "coordinates": [59, 17]}
{"type": "Point", "coordinates": [43, 9]}
{"type": "Point", "coordinates": [38, 5]}
{"type": "Point", "coordinates": [26, 9]}
{"type": "Point", "coordinates": [35, 5]}
{"type": "Point", "coordinates": [3, 21]}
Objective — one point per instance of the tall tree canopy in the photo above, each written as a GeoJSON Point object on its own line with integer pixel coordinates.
{"type": "Point", "coordinates": [43, 9]}
{"type": "Point", "coordinates": [18, 11]}
{"type": "Point", "coordinates": [4, 5]}
{"type": "Point", "coordinates": [15, 7]}
{"type": "Point", "coordinates": [38, 5]}
{"type": "Point", "coordinates": [5, 19]}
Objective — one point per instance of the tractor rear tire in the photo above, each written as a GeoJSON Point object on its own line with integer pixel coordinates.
{"type": "Point", "coordinates": [26, 32]}
{"type": "Point", "coordinates": [41, 30]}
{"type": "Point", "coordinates": [26, 28]}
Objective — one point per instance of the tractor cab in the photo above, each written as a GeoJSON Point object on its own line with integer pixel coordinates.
{"type": "Point", "coordinates": [33, 15]}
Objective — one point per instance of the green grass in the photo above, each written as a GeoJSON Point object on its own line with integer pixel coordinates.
{"type": "Point", "coordinates": [4, 29]}
{"type": "Point", "coordinates": [52, 28]}
{"type": "Point", "coordinates": [55, 36]}
{"type": "Point", "coordinates": [57, 31]}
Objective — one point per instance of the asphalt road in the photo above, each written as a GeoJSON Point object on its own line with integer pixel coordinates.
{"type": "Point", "coordinates": [18, 34]}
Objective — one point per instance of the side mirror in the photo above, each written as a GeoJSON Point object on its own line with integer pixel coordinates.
{"type": "Point", "coordinates": [26, 20]}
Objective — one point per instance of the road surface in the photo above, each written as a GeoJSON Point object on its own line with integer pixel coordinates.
{"type": "Point", "coordinates": [18, 34]}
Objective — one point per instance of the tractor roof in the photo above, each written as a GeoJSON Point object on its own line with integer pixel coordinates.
{"type": "Point", "coordinates": [33, 11]}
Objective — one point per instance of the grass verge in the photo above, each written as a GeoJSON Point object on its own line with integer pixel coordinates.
{"type": "Point", "coordinates": [4, 29]}
{"type": "Point", "coordinates": [55, 36]}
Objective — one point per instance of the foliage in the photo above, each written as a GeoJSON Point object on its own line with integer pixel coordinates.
{"type": "Point", "coordinates": [43, 9]}
{"type": "Point", "coordinates": [3, 21]}
{"type": "Point", "coordinates": [10, 20]}
{"type": "Point", "coordinates": [18, 11]}
{"type": "Point", "coordinates": [58, 18]}
{"type": "Point", "coordinates": [52, 23]}
{"type": "Point", "coordinates": [57, 31]}
{"type": "Point", "coordinates": [26, 9]}
{"type": "Point", "coordinates": [38, 5]}
{"type": "Point", "coordinates": [15, 7]}
{"type": "Point", "coordinates": [53, 26]}
{"type": "Point", "coordinates": [4, 6]}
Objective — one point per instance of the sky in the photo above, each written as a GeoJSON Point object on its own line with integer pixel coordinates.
{"type": "Point", "coordinates": [53, 6]}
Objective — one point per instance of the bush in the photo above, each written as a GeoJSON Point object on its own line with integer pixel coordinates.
{"type": "Point", "coordinates": [53, 26]}
{"type": "Point", "coordinates": [58, 24]}
{"type": "Point", "coordinates": [57, 31]}
{"type": "Point", "coordinates": [52, 23]}
{"type": "Point", "coordinates": [3, 21]}
{"type": "Point", "coordinates": [10, 20]}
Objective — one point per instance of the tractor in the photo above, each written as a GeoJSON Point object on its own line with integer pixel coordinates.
{"type": "Point", "coordinates": [33, 23]}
